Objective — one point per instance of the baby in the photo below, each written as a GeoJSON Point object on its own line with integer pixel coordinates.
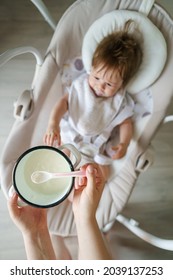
{"type": "Point", "coordinates": [97, 103]}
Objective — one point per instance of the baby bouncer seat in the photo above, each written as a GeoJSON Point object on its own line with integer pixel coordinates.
{"type": "Point", "coordinates": [76, 35]}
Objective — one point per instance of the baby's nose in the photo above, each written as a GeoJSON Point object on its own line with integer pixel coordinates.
{"type": "Point", "coordinates": [102, 86]}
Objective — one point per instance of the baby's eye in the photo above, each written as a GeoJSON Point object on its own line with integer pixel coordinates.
{"type": "Point", "coordinates": [109, 85]}
{"type": "Point", "coordinates": [96, 78]}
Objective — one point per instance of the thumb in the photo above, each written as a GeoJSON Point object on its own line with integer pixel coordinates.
{"type": "Point", "coordinates": [90, 173]}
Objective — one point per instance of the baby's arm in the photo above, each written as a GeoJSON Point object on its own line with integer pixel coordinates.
{"type": "Point", "coordinates": [126, 133]}
{"type": "Point", "coordinates": [53, 130]}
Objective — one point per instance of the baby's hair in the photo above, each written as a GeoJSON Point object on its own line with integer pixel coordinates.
{"type": "Point", "coordinates": [120, 50]}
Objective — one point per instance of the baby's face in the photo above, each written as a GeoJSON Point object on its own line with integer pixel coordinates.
{"type": "Point", "coordinates": [105, 83]}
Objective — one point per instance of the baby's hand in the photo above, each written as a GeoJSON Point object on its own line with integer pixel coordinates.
{"type": "Point", "coordinates": [120, 150]}
{"type": "Point", "coordinates": [52, 137]}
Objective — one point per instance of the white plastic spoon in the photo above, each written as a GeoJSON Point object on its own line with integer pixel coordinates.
{"type": "Point", "coordinates": [39, 177]}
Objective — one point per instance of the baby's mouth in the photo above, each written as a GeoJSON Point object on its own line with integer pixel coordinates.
{"type": "Point", "coordinates": [98, 93]}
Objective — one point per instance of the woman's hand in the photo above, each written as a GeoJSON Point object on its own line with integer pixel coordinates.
{"type": "Point", "coordinates": [87, 195]}
{"type": "Point", "coordinates": [28, 219]}
{"type": "Point", "coordinates": [85, 202]}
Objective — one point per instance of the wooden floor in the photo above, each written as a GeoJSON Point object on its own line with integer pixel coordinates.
{"type": "Point", "coordinates": [151, 202]}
